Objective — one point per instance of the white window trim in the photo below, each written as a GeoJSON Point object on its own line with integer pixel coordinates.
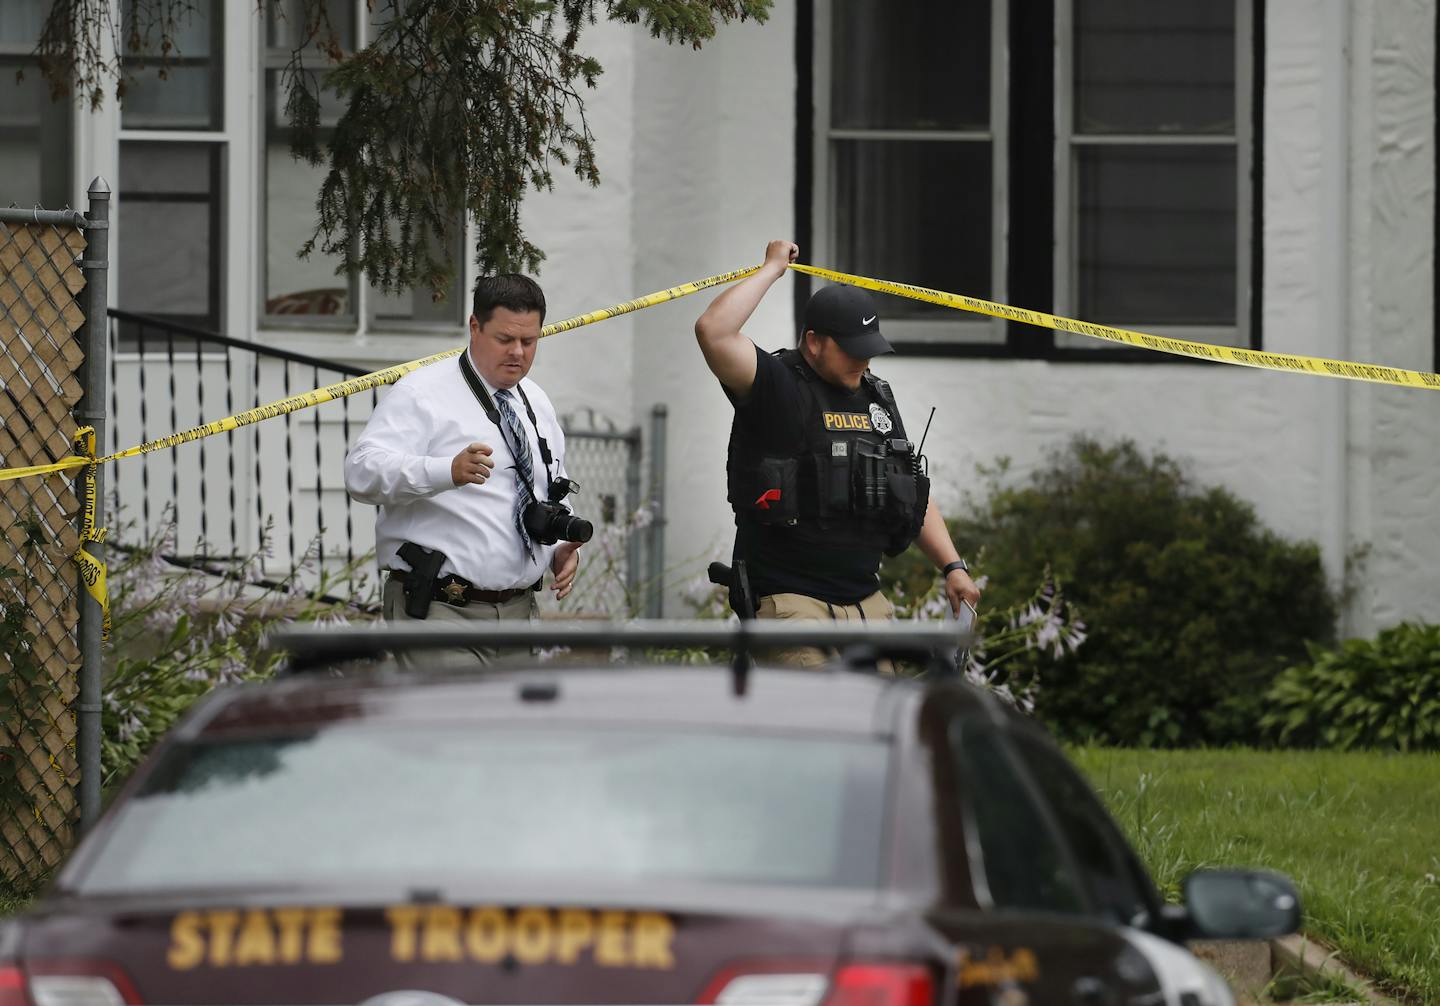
{"type": "Point", "coordinates": [229, 244]}
{"type": "Point", "coordinates": [344, 330]}
{"type": "Point", "coordinates": [1066, 255]}
{"type": "Point", "coordinates": [965, 329]}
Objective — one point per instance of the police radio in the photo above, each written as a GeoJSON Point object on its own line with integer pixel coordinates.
{"type": "Point", "coordinates": [887, 473]}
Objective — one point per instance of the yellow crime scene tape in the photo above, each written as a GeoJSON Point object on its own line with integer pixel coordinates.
{"type": "Point", "coordinates": [92, 570]}
{"type": "Point", "coordinates": [1284, 362]}
{"type": "Point", "coordinates": [365, 382]}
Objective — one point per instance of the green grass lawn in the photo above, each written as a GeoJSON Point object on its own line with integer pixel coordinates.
{"type": "Point", "coordinates": [1359, 833]}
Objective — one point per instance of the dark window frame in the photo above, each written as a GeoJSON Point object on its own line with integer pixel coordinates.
{"type": "Point", "coordinates": [215, 200]}
{"type": "Point", "coordinates": [1028, 266]}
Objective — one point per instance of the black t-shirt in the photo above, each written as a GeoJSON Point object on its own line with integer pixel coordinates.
{"type": "Point", "coordinates": [797, 559]}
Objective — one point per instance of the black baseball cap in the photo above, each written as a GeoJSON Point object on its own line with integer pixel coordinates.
{"type": "Point", "coordinates": [848, 315]}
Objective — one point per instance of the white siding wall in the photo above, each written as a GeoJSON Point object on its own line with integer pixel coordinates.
{"type": "Point", "coordinates": [590, 247]}
{"type": "Point", "coordinates": [714, 163]}
{"type": "Point", "coordinates": [1394, 434]}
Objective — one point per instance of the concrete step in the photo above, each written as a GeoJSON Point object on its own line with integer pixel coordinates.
{"type": "Point", "coordinates": [1290, 966]}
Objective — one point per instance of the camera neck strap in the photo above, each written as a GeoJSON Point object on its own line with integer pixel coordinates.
{"type": "Point", "coordinates": [482, 395]}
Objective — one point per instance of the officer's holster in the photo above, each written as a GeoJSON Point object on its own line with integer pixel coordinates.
{"type": "Point", "coordinates": [425, 566]}
{"type": "Point", "coordinates": [742, 602]}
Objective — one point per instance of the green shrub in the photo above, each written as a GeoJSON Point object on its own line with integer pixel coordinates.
{"type": "Point", "coordinates": [1191, 606]}
{"type": "Point", "coordinates": [179, 632]}
{"type": "Point", "coordinates": [1368, 693]}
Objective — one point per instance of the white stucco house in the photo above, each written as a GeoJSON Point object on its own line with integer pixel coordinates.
{"type": "Point", "coordinates": [1257, 173]}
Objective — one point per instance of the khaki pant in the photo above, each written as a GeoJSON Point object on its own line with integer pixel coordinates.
{"type": "Point", "coordinates": [875, 608]}
{"type": "Point", "coordinates": [519, 608]}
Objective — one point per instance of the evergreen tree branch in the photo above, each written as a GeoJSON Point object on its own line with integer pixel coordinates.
{"type": "Point", "coordinates": [455, 107]}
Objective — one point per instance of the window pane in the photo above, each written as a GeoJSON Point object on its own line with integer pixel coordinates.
{"type": "Point", "coordinates": [413, 306]}
{"type": "Point", "coordinates": [286, 24]}
{"type": "Point", "coordinates": [189, 95]}
{"type": "Point", "coordinates": [921, 64]}
{"type": "Point", "coordinates": [188, 98]}
{"type": "Point", "coordinates": [20, 24]}
{"type": "Point", "coordinates": [34, 139]}
{"type": "Point", "coordinates": [1157, 232]}
{"type": "Point", "coordinates": [1023, 865]}
{"type": "Point", "coordinates": [915, 212]}
{"type": "Point", "coordinates": [342, 803]}
{"type": "Point", "coordinates": [296, 287]}
{"type": "Point", "coordinates": [169, 236]}
{"type": "Point", "coordinates": [417, 306]}
{"type": "Point", "coordinates": [382, 13]}
{"type": "Point", "coordinates": [1143, 66]}
{"type": "Point", "coordinates": [1090, 834]}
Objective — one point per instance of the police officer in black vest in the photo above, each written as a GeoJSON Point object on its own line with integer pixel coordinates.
{"type": "Point", "coordinates": [821, 474]}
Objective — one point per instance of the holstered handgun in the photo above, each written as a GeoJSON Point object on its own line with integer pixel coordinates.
{"type": "Point", "coordinates": [742, 602]}
{"type": "Point", "coordinates": [425, 566]}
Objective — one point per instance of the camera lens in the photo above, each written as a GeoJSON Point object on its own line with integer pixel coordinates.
{"type": "Point", "coordinates": [574, 529]}
{"type": "Point", "coordinates": [551, 522]}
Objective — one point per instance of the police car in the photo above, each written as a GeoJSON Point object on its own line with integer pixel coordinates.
{"type": "Point", "coordinates": [616, 833]}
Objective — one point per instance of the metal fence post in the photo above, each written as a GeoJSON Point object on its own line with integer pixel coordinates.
{"type": "Point", "coordinates": [634, 445]}
{"type": "Point", "coordinates": [92, 413]}
{"type": "Point", "coordinates": [655, 581]}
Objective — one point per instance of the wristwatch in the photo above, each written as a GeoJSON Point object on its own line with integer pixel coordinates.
{"type": "Point", "coordinates": [957, 564]}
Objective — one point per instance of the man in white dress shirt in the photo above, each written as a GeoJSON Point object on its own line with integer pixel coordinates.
{"type": "Point", "coordinates": [452, 456]}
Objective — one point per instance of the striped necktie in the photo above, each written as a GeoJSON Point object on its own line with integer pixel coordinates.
{"type": "Point", "coordinates": [525, 467]}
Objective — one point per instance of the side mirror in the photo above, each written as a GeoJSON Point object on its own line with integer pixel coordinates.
{"type": "Point", "coordinates": [1241, 904]}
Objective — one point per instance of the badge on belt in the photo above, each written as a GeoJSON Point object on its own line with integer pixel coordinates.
{"type": "Point", "coordinates": [454, 593]}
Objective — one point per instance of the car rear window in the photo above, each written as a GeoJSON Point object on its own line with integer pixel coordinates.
{"type": "Point", "coordinates": [412, 802]}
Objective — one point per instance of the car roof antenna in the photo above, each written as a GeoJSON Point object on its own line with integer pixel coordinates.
{"type": "Point", "coordinates": [740, 667]}
{"type": "Point", "coordinates": [921, 449]}
{"type": "Point", "coordinates": [737, 580]}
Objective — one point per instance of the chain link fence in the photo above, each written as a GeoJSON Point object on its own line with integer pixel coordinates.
{"type": "Point", "coordinates": [606, 462]}
{"type": "Point", "coordinates": [43, 266]}
{"type": "Point", "coordinates": [40, 285]}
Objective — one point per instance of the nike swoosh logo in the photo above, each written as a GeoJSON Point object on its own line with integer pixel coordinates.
{"type": "Point", "coordinates": [868, 320]}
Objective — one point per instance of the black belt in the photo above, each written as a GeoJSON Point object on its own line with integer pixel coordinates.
{"type": "Point", "coordinates": [458, 591]}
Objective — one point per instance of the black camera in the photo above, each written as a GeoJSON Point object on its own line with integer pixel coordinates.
{"type": "Point", "coordinates": [551, 522]}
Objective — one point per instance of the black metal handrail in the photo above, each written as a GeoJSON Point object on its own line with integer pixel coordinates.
{"type": "Point", "coordinates": [264, 349]}
{"type": "Point", "coordinates": [165, 343]}
{"type": "Point", "coordinates": [263, 582]}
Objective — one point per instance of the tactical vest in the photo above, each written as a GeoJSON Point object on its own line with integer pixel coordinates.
{"type": "Point", "coordinates": [852, 481]}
